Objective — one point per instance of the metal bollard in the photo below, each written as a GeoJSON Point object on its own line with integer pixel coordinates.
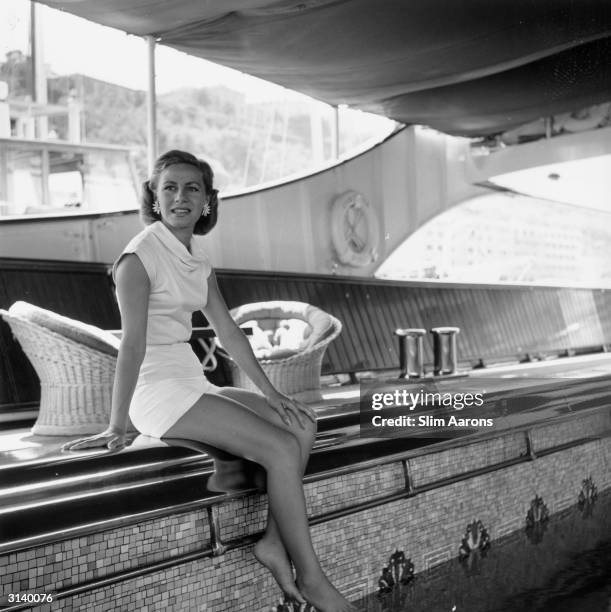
{"type": "Point", "coordinates": [411, 353]}
{"type": "Point", "coordinates": [444, 350]}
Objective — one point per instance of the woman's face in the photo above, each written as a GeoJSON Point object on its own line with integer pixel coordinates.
{"type": "Point", "coordinates": [181, 195]}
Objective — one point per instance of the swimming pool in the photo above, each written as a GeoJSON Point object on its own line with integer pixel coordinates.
{"type": "Point", "coordinates": [562, 566]}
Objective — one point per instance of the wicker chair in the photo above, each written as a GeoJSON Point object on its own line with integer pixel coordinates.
{"type": "Point", "coordinates": [291, 370]}
{"type": "Point", "coordinates": [75, 363]}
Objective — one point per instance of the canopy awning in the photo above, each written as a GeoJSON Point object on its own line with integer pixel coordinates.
{"type": "Point", "coordinates": [466, 67]}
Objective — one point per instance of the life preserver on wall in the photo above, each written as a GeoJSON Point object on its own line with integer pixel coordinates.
{"type": "Point", "coordinates": [585, 119]}
{"type": "Point", "coordinates": [354, 230]}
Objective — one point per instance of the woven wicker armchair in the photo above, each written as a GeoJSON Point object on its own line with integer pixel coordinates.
{"type": "Point", "coordinates": [296, 368]}
{"type": "Point", "coordinates": [75, 363]}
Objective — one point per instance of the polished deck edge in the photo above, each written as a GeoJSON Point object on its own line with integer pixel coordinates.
{"type": "Point", "coordinates": [197, 478]}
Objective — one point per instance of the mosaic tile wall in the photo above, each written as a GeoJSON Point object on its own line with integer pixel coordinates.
{"type": "Point", "coordinates": [454, 461]}
{"type": "Point", "coordinates": [548, 436]}
{"type": "Point", "coordinates": [430, 525]}
{"type": "Point", "coordinates": [329, 495]}
{"type": "Point", "coordinates": [71, 562]}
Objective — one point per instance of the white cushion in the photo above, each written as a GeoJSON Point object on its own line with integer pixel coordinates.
{"type": "Point", "coordinates": [88, 335]}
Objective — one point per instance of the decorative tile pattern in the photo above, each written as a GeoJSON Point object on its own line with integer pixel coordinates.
{"type": "Point", "coordinates": [587, 496]}
{"type": "Point", "coordinates": [476, 539]}
{"type": "Point", "coordinates": [392, 589]}
{"type": "Point", "coordinates": [436, 557]}
{"type": "Point", "coordinates": [536, 520]}
{"type": "Point", "coordinates": [399, 570]}
{"type": "Point", "coordinates": [473, 547]}
{"type": "Point", "coordinates": [401, 566]}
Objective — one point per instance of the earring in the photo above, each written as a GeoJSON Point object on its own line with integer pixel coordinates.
{"type": "Point", "coordinates": [206, 209]}
{"type": "Point", "coordinates": [156, 208]}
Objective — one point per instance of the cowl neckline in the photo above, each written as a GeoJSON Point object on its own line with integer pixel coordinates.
{"type": "Point", "coordinates": [191, 260]}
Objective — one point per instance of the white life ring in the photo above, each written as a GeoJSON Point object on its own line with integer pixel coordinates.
{"type": "Point", "coordinates": [355, 230]}
{"type": "Point", "coordinates": [585, 119]}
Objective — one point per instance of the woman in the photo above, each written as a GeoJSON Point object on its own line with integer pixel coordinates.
{"type": "Point", "coordinates": [162, 276]}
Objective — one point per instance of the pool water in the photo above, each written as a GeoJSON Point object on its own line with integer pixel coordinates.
{"type": "Point", "coordinates": [562, 566]}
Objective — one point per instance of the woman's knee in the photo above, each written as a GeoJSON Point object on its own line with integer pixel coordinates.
{"type": "Point", "coordinates": [285, 450]}
{"type": "Point", "coordinates": [307, 433]}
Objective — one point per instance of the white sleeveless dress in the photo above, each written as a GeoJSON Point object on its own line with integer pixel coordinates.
{"type": "Point", "coordinates": [171, 377]}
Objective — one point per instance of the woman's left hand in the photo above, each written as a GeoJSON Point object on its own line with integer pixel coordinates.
{"type": "Point", "coordinates": [287, 407]}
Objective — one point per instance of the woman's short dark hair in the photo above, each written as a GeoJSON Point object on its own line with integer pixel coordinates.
{"type": "Point", "coordinates": [171, 158]}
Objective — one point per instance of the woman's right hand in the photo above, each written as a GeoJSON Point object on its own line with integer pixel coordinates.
{"type": "Point", "coordinates": [110, 438]}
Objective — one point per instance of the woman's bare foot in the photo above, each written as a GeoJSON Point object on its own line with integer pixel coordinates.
{"type": "Point", "coordinates": [273, 556]}
{"type": "Point", "coordinates": [324, 596]}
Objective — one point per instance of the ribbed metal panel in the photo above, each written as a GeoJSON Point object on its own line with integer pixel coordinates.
{"type": "Point", "coordinates": [497, 322]}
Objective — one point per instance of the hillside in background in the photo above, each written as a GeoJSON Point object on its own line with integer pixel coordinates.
{"type": "Point", "coordinates": [246, 143]}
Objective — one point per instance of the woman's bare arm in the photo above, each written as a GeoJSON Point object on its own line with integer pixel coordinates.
{"type": "Point", "coordinates": [133, 290]}
{"type": "Point", "coordinates": [238, 346]}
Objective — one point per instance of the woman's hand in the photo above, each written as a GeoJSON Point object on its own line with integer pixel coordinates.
{"type": "Point", "coordinates": [110, 438]}
{"type": "Point", "coordinates": [287, 407]}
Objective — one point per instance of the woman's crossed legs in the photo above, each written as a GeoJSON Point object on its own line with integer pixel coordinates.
{"type": "Point", "coordinates": [241, 423]}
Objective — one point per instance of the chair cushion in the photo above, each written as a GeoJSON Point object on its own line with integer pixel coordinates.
{"type": "Point", "coordinates": [270, 341]}
{"type": "Point", "coordinates": [282, 329]}
{"type": "Point", "coordinates": [88, 335]}
{"type": "Point", "coordinates": [322, 326]}
{"type": "Point", "coordinates": [291, 334]}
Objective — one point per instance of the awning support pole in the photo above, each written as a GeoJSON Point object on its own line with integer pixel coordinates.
{"type": "Point", "coordinates": [335, 136]}
{"type": "Point", "coordinates": [151, 106]}
{"type": "Point", "coordinates": [39, 77]}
